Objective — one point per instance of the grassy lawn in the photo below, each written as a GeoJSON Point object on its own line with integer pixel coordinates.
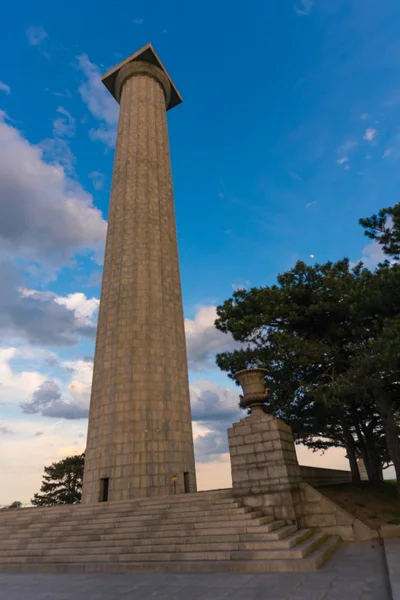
{"type": "Point", "coordinates": [387, 488]}
{"type": "Point", "coordinates": [374, 504]}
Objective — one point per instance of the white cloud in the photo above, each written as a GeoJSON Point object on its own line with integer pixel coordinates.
{"type": "Point", "coordinates": [65, 94]}
{"type": "Point", "coordinates": [80, 386]}
{"type": "Point", "coordinates": [138, 21]}
{"type": "Point", "coordinates": [34, 441]}
{"type": "Point", "coordinates": [370, 134]}
{"type": "Point", "coordinates": [64, 401]}
{"type": "Point", "coordinates": [212, 402]}
{"type": "Point", "coordinates": [213, 406]}
{"type": "Point", "coordinates": [346, 147]}
{"type": "Point", "coordinates": [343, 151]}
{"type": "Point", "coordinates": [304, 8]}
{"type": "Point", "coordinates": [64, 126]}
{"type": "Point", "coordinates": [371, 255]}
{"type": "Point", "coordinates": [99, 101]}
{"type": "Point", "coordinates": [312, 203]}
{"type": "Point", "coordinates": [98, 179]}
{"type": "Point", "coordinates": [43, 318]}
{"type": "Point", "coordinates": [5, 88]}
{"type": "Point", "coordinates": [387, 153]}
{"type": "Point", "coordinates": [16, 387]}
{"type": "Point", "coordinates": [203, 340]}
{"type": "Point", "coordinates": [56, 150]}
{"type": "Point", "coordinates": [49, 400]}
{"type": "Point", "coordinates": [214, 409]}
{"type": "Point", "coordinates": [45, 216]}
{"type": "Point", "coordinates": [364, 116]}
{"type": "Point", "coordinates": [4, 430]}
{"type": "Point", "coordinates": [36, 35]}
{"type": "Point", "coordinates": [25, 454]}
{"type": "Point", "coordinates": [83, 307]}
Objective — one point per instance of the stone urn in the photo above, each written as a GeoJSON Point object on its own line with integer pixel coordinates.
{"type": "Point", "coordinates": [255, 392]}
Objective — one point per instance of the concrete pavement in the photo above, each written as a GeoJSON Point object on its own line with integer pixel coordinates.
{"type": "Point", "coordinates": [357, 571]}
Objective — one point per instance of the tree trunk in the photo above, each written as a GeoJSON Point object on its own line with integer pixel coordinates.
{"type": "Point", "coordinates": [370, 456]}
{"type": "Point", "coordinates": [375, 459]}
{"type": "Point", "coordinates": [391, 432]}
{"type": "Point", "coordinates": [351, 454]}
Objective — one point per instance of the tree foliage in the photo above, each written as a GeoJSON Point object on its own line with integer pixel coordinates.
{"type": "Point", "coordinates": [62, 482]}
{"type": "Point", "coordinates": [317, 331]}
{"type": "Point", "coordinates": [385, 229]}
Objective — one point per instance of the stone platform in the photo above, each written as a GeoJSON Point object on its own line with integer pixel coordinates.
{"type": "Point", "coordinates": [188, 533]}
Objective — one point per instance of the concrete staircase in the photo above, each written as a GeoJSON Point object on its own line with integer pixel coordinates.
{"type": "Point", "coordinates": [203, 532]}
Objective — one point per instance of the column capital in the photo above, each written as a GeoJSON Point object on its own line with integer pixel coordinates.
{"type": "Point", "coordinates": [139, 67]}
{"type": "Point", "coordinates": [115, 77]}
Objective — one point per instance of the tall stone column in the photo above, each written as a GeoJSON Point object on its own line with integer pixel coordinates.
{"type": "Point", "coordinates": [140, 431]}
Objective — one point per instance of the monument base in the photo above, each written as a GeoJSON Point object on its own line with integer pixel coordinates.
{"type": "Point", "coordinates": [265, 471]}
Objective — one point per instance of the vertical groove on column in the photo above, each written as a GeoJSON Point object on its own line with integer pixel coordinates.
{"type": "Point", "coordinates": [140, 375]}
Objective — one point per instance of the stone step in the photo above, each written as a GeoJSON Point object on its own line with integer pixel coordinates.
{"type": "Point", "coordinates": [162, 531]}
{"type": "Point", "coordinates": [300, 550]}
{"type": "Point", "coordinates": [157, 536]}
{"type": "Point", "coordinates": [275, 534]}
{"type": "Point", "coordinates": [131, 525]}
{"type": "Point", "coordinates": [132, 521]}
{"type": "Point", "coordinates": [101, 555]}
{"type": "Point", "coordinates": [284, 537]}
{"type": "Point", "coordinates": [311, 563]}
{"type": "Point", "coordinates": [71, 522]}
{"type": "Point", "coordinates": [43, 515]}
{"type": "Point", "coordinates": [166, 525]}
{"type": "Point", "coordinates": [261, 524]}
{"type": "Point", "coordinates": [212, 498]}
{"type": "Point", "coordinates": [185, 545]}
{"type": "Point", "coordinates": [288, 541]}
{"type": "Point", "coordinates": [273, 530]}
{"type": "Point", "coordinates": [239, 551]}
{"type": "Point", "coordinates": [245, 541]}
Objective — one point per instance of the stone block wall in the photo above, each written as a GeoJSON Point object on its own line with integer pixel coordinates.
{"type": "Point", "coordinates": [317, 477]}
{"type": "Point", "coordinates": [318, 512]}
{"type": "Point", "coordinates": [265, 471]}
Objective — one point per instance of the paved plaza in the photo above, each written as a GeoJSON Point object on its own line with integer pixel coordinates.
{"type": "Point", "coordinates": [357, 571]}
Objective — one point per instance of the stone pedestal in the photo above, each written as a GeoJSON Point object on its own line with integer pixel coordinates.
{"type": "Point", "coordinates": [265, 471]}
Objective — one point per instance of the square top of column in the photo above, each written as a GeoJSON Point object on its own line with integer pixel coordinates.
{"type": "Point", "coordinates": [145, 54]}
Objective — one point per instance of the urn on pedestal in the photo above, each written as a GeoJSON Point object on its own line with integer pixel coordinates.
{"type": "Point", "coordinates": [255, 392]}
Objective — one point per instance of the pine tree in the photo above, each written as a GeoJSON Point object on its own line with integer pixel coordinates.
{"type": "Point", "coordinates": [62, 482]}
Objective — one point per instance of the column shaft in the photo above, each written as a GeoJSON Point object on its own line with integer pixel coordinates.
{"type": "Point", "coordinates": [140, 432]}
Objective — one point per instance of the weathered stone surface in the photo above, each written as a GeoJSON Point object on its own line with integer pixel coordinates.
{"type": "Point", "coordinates": [343, 518]}
{"type": "Point", "coordinates": [320, 520]}
{"type": "Point", "coordinates": [312, 508]}
{"type": "Point", "coordinates": [362, 531]}
{"type": "Point", "coordinates": [316, 510]}
{"type": "Point", "coordinates": [316, 476]}
{"type": "Point", "coordinates": [272, 472]}
{"type": "Point", "coordinates": [140, 419]}
{"type": "Point", "coordinates": [389, 531]}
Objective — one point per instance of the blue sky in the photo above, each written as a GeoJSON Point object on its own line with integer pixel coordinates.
{"type": "Point", "coordinates": [288, 133]}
